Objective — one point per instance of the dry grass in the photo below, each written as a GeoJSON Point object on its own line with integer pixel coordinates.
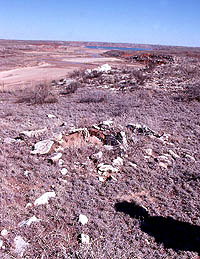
{"type": "Point", "coordinates": [38, 94]}
{"type": "Point", "coordinates": [93, 97]}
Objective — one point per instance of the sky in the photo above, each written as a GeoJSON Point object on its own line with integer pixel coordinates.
{"type": "Point", "coordinates": [164, 22]}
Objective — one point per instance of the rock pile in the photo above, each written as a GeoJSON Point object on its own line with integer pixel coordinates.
{"type": "Point", "coordinates": [161, 72]}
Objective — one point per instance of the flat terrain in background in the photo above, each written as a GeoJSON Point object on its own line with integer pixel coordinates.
{"type": "Point", "coordinates": [118, 143]}
{"type": "Point", "coordinates": [23, 63]}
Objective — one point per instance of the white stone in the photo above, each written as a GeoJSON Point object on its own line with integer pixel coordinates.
{"type": "Point", "coordinates": [32, 133]}
{"type": "Point", "coordinates": [56, 157]}
{"type": "Point", "coordinates": [4, 232]}
{"type": "Point", "coordinates": [9, 140]}
{"type": "Point", "coordinates": [42, 147]}
{"type": "Point", "coordinates": [101, 179]}
{"type": "Point", "coordinates": [85, 239]}
{"type": "Point", "coordinates": [88, 71]}
{"type": "Point", "coordinates": [149, 151]}
{"type": "Point", "coordinates": [118, 162]}
{"type": "Point", "coordinates": [161, 164]}
{"type": "Point", "coordinates": [98, 155]}
{"type": "Point", "coordinates": [83, 219]}
{"type": "Point", "coordinates": [108, 147]}
{"type": "Point", "coordinates": [107, 123]}
{"type": "Point", "coordinates": [29, 221]}
{"type": "Point", "coordinates": [29, 205]}
{"type": "Point", "coordinates": [173, 154]}
{"type": "Point", "coordinates": [26, 173]}
{"type": "Point", "coordinates": [114, 178]}
{"type": "Point", "coordinates": [58, 136]}
{"type": "Point", "coordinates": [103, 169]}
{"type": "Point", "coordinates": [61, 162]}
{"type": "Point", "coordinates": [104, 68]}
{"type": "Point", "coordinates": [20, 245]}
{"type": "Point", "coordinates": [51, 116]}
{"type": "Point", "coordinates": [190, 157]}
{"type": "Point", "coordinates": [44, 198]}
{"type": "Point", "coordinates": [64, 171]}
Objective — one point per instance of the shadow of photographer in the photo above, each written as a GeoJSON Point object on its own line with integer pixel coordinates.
{"type": "Point", "coordinates": [172, 233]}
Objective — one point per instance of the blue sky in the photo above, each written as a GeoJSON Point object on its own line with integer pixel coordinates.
{"type": "Point", "coordinates": [165, 22]}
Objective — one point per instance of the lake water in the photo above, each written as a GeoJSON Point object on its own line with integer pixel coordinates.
{"type": "Point", "coordinates": [114, 48]}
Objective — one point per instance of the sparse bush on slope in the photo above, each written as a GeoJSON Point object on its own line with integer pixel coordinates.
{"type": "Point", "coordinates": [39, 94]}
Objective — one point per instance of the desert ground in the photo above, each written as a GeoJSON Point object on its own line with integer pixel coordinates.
{"type": "Point", "coordinates": [99, 151]}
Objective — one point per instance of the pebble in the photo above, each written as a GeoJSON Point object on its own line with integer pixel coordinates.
{"type": "Point", "coordinates": [83, 219]}
{"type": "Point", "coordinates": [56, 157]}
{"type": "Point", "coordinates": [44, 198]}
{"type": "Point", "coordinates": [149, 151]}
{"type": "Point", "coordinates": [64, 171]}
{"type": "Point", "coordinates": [51, 116]}
{"type": "Point", "coordinates": [117, 162]}
{"type": "Point", "coordinates": [85, 239]}
{"type": "Point", "coordinates": [190, 157]}
{"type": "Point", "coordinates": [43, 147]}
{"type": "Point", "coordinates": [173, 154]}
{"type": "Point", "coordinates": [61, 162]}
{"type": "Point", "coordinates": [161, 164]}
{"type": "Point", "coordinates": [4, 232]}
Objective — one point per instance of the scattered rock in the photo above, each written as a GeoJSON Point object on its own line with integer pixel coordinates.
{"type": "Point", "coordinates": [20, 245]}
{"type": "Point", "coordinates": [161, 164]}
{"type": "Point", "coordinates": [107, 123]}
{"type": "Point", "coordinates": [101, 179]}
{"type": "Point", "coordinates": [32, 133]}
{"type": "Point", "coordinates": [143, 130]}
{"type": "Point", "coordinates": [9, 140]}
{"type": "Point", "coordinates": [55, 157]}
{"type": "Point", "coordinates": [96, 157]}
{"type": "Point", "coordinates": [84, 239]}
{"type": "Point", "coordinates": [29, 205]}
{"type": "Point", "coordinates": [61, 162]}
{"type": "Point", "coordinates": [166, 159]}
{"type": "Point", "coordinates": [108, 147]}
{"type": "Point", "coordinates": [104, 68]}
{"type": "Point", "coordinates": [173, 154]}
{"type": "Point", "coordinates": [29, 221]}
{"type": "Point", "coordinates": [58, 137]}
{"type": "Point", "coordinates": [190, 157]}
{"type": "Point", "coordinates": [51, 116]}
{"type": "Point", "coordinates": [101, 69]}
{"type": "Point", "coordinates": [44, 198]}
{"type": "Point", "coordinates": [118, 162]}
{"type": "Point", "coordinates": [83, 219]}
{"type": "Point", "coordinates": [149, 151]}
{"type": "Point", "coordinates": [43, 147]}
{"type": "Point", "coordinates": [4, 232]}
{"type": "Point", "coordinates": [104, 169]}
{"type": "Point", "coordinates": [64, 171]}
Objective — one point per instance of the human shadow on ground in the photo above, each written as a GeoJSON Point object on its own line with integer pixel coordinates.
{"type": "Point", "coordinates": [172, 233]}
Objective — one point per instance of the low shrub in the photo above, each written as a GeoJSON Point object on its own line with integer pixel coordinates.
{"type": "Point", "coordinates": [39, 94]}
